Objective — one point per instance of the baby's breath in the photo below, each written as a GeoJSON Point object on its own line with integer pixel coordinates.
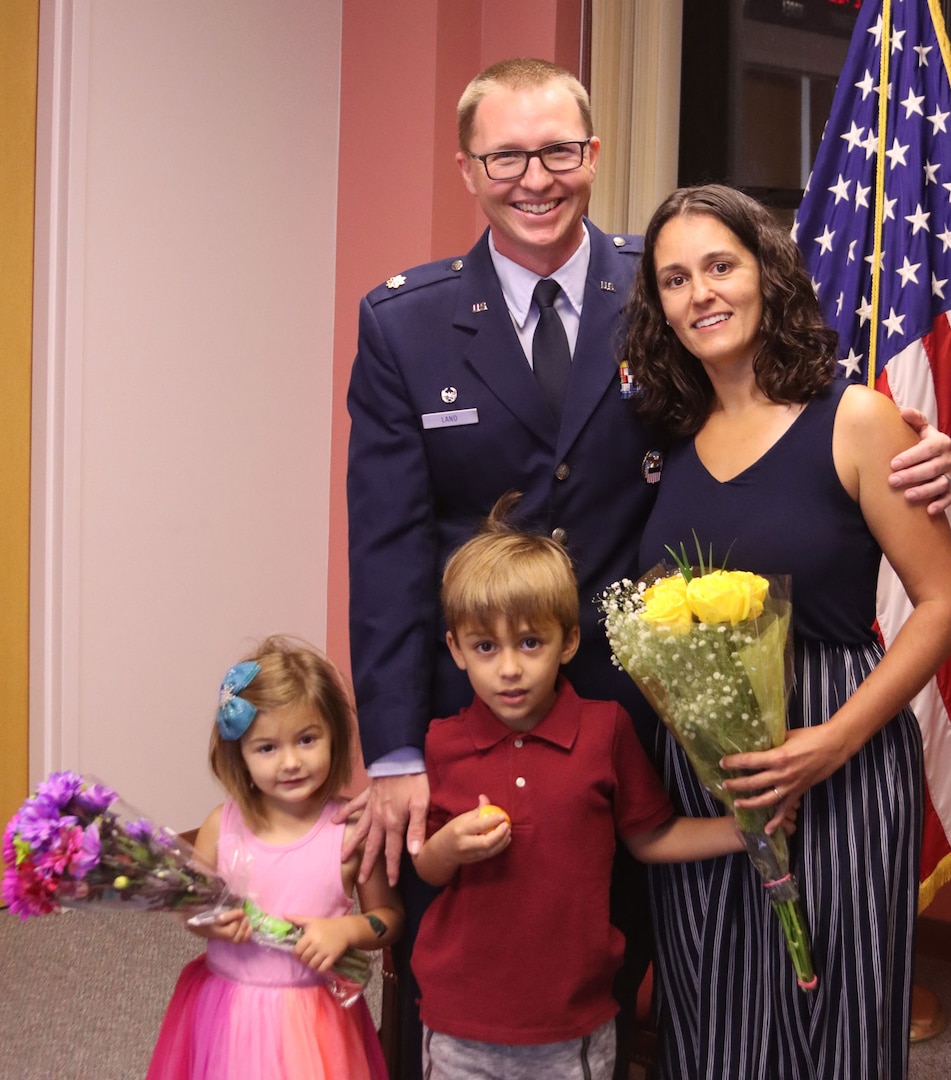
{"type": "Point", "coordinates": [699, 681]}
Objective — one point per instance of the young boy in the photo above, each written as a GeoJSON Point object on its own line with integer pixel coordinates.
{"type": "Point", "coordinates": [515, 957]}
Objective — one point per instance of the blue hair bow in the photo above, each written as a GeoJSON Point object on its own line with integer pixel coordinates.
{"type": "Point", "coordinates": [235, 714]}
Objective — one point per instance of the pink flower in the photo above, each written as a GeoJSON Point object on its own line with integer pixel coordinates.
{"type": "Point", "coordinates": [28, 893]}
{"type": "Point", "coordinates": [62, 852]}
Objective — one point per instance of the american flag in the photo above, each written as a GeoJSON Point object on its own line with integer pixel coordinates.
{"type": "Point", "coordinates": [875, 230]}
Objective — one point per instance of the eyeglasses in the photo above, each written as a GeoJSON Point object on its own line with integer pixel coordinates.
{"type": "Point", "coordinates": [513, 164]}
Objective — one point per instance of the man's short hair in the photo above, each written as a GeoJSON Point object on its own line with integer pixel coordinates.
{"type": "Point", "coordinates": [521, 73]}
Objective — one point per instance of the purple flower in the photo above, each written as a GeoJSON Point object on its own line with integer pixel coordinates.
{"type": "Point", "coordinates": [67, 845]}
{"type": "Point", "coordinates": [87, 858]}
{"type": "Point", "coordinates": [95, 798]}
{"type": "Point", "coordinates": [60, 788]}
{"type": "Point", "coordinates": [140, 830]}
{"type": "Point", "coordinates": [9, 851]}
{"type": "Point", "coordinates": [38, 823]}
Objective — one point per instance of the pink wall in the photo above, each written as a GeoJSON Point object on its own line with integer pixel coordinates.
{"type": "Point", "coordinates": [183, 302]}
{"type": "Point", "coordinates": [401, 201]}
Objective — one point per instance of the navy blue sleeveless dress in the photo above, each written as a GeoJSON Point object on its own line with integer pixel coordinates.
{"type": "Point", "coordinates": [729, 1006]}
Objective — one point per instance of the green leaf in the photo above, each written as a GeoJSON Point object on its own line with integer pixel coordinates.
{"type": "Point", "coordinates": [683, 563]}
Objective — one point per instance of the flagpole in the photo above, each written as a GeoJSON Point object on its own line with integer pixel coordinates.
{"type": "Point", "coordinates": [884, 51]}
{"type": "Point", "coordinates": [928, 1017]}
{"type": "Point", "coordinates": [927, 1013]}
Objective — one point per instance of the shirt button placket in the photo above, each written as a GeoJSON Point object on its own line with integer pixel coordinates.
{"type": "Point", "coordinates": [519, 781]}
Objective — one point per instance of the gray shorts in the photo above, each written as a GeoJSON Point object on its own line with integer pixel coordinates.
{"type": "Point", "coordinates": [589, 1058]}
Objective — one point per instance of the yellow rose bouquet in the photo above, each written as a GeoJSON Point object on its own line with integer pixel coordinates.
{"type": "Point", "coordinates": [710, 650]}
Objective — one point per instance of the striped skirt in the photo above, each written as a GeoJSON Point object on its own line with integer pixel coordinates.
{"type": "Point", "coordinates": [727, 1001]}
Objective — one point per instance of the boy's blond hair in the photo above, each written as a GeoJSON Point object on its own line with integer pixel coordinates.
{"type": "Point", "coordinates": [505, 573]}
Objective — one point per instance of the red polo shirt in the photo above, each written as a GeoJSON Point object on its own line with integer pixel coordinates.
{"type": "Point", "coordinates": [519, 949]}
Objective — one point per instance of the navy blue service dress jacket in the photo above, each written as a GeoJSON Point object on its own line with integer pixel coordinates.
{"type": "Point", "coordinates": [446, 417]}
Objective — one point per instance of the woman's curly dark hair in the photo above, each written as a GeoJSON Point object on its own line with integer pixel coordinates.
{"type": "Point", "coordinates": [797, 353]}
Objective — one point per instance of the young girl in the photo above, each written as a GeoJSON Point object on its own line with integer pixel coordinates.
{"type": "Point", "coordinates": [243, 1011]}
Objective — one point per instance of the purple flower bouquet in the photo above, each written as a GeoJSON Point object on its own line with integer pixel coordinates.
{"type": "Point", "coordinates": [75, 844]}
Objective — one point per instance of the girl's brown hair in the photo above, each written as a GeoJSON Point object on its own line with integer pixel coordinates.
{"type": "Point", "coordinates": [292, 673]}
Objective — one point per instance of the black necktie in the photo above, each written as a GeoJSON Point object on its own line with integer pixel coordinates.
{"type": "Point", "coordinates": [551, 357]}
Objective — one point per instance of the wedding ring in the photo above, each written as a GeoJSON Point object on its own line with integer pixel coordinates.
{"type": "Point", "coordinates": [948, 478]}
{"type": "Point", "coordinates": [779, 795]}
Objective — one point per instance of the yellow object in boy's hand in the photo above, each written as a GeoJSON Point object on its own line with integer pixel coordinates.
{"type": "Point", "coordinates": [489, 808]}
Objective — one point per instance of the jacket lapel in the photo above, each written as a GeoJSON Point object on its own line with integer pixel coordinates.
{"type": "Point", "coordinates": [594, 367]}
{"type": "Point", "coordinates": [494, 352]}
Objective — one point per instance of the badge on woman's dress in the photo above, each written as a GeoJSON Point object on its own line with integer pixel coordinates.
{"type": "Point", "coordinates": [627, 382]}
{"type": "Point", "coordinates": [652, 466]}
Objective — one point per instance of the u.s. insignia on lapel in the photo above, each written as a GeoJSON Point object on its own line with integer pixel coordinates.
{"type": "Point", "coordinates": [396, 282]}
{"type": "Point", "coordinates": [480, 306]}
{"type": "Point", "coordinates": [608, 286]}
{"type": "Point", "coordinates": [652, 466]}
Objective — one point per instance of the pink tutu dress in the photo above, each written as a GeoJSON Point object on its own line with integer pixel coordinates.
{"type": "Point", "coordinates": [249, 1012]}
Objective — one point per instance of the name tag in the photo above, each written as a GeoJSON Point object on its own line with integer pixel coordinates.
{"type": "Point", "coordinates": [450, 419]}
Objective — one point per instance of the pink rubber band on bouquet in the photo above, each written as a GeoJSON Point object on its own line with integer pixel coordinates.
{"type": "Point", "coordinates": [778, 881]}
{"type": "Point", "coordinates": [811, 985]}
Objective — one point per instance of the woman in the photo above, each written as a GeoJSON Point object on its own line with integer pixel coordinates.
{"type": "Point", "coordinates": [784, 467]}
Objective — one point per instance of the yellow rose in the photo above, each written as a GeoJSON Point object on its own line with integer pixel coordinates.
{"type": "Point", "coordinates": [727, 596]}
{"type": "Point", "coordinates": [759, 590]}
{"type": "Point", "coordinates": [675, 584]}
{"type": "Point", "coordinates": [665, 604]}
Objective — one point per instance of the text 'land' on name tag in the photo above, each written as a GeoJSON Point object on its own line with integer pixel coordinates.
{"type": "Point", "coordinates": [456, 418]}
